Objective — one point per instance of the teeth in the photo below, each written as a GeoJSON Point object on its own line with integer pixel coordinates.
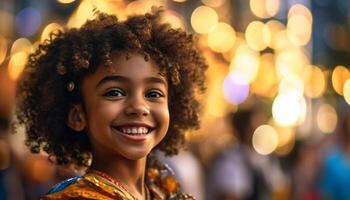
{"type": "Point", "coordinates": [134, 130]}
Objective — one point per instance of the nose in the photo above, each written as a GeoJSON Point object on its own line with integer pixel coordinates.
{"type": "Point", "coordinates": [137, 106]}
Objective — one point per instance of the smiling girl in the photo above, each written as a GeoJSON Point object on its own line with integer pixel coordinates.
{"type": "Point", "coordinates": [106, 96]}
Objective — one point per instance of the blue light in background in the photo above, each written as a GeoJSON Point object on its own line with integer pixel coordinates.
{"type": "Point", "coordinates": [28, 20]}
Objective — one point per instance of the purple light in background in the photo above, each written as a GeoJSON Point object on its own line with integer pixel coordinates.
{"type": "Point", "coordinates": [28, 21]}
{"type": "Point", "coordinates": [235, 91]}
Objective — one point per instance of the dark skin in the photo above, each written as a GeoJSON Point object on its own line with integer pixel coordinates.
{"type": "Point", "coordinates": [131, 96]}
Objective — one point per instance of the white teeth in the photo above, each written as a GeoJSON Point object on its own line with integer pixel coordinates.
{"type": "Point", "coordinates": [135, 130]}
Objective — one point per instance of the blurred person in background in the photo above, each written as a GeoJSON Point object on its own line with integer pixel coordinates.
{"type": "Point", "coordinates": [240, 173]}
{"type": "Point", "coordinates": [335, 172]}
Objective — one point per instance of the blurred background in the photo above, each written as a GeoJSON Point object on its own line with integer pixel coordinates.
{"type": "Point", "coordinates": [275, 120]}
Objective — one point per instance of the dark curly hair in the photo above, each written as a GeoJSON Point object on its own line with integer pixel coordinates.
{"type": "Point", "coordinates": [68, 56]}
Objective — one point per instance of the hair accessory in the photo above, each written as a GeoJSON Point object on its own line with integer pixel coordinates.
{"type": "Point", "coordinates": [70, 86]}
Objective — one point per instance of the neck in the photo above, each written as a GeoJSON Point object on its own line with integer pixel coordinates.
{"type": "Point", "coordinates": [129, 173]}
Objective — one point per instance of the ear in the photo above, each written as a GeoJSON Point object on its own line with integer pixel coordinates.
{"type": "Point", "coordinates": [76, 118]}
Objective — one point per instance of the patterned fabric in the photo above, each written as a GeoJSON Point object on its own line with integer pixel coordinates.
{"type": "Point", "coordinates": [92, 186]}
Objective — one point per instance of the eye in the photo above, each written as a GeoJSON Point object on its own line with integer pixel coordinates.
{"type": "Point", "coordinates": [114, 93]}
{"type": "Point", "coordinates": [154, 94]}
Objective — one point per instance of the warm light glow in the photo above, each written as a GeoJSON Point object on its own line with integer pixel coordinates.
{"type": "Point", "coordinates": [174, 19]}
{"type": "Point", "coordinates": [281, 41]}
{"type": "Point", "coordinates": [266, 79]}
{"type": "Point", "coordinates": [16, 65]}
{"type": "Point", "coordinates": [222, 38]}
{"type": "Point", "coordinates": [346, 91]}
{"type": "Point", "coordinates": [315, 81]}
{"type": "Point", "coordinates": [142, 6]}
{"type": "Point", "coordinates": [21, 44]}
{"type": "Point", "coordinates": [83, 13]}
{"type": "Point", "coordinates": [339, 76]}
{"type": "Point", "coordinates": [265, 139]}
{"type": "Point", "coordinates": [214, 3]}
{"type": "Point", "coordinates": [50, 28]}
{"type": "Point", "coordinates": [3, 49]}
{"type": "Point", "coordinates": [257, 35]}
{"type": "Point", "coordinates": [327, 118]}
{"type": "Point", "coordinates": [245, 64]}
{"type": "Point", "coordinates": [289, 109]}
{"type": "Point", "coordinates": [65, 1]}
{"type": "Point", "coordinates": [274, 27]}
{"type": "Point", "coordinates": [299, 9]}
{"type": "Point", "coordinates": [264, 8]}
{"type": "Point", "coordinates": [291, 61]}
{"type": "Point", "coordinates": [179, 1]}
{"type": "Point", "coordinates": [291, 84]}
{"type": "Point", "coordinates": [299, 29]}
{"type": "Point", "coordinates": [204, 19]}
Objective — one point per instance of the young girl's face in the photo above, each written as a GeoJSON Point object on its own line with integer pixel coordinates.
{"type": "Point", "coordinates": [126, 107]}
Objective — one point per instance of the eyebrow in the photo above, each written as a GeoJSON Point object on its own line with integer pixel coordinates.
{"type": "Point", "coordinates": [117, 78]}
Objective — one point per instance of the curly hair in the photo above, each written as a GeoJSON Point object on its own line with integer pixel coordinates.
{"type": "Point", "coordinates": [68, 56]}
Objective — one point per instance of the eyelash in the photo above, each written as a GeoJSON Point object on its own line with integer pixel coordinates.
{"type": "Point", "coordinates": [113, 92]}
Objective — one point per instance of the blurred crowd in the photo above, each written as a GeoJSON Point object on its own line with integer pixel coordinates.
{"type": "Point", "coordinates": [276, 117]}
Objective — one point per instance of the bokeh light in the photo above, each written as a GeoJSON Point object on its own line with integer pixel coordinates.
{"type": "Point", "coordinates": [214, 3]}
{"type": "Point", "coordinates": [339, 76]}
{"type": "Point", "coordinates": [16, 65]}
{"type": "Point", "coordinates": [289, 109]}
{"type": "Point", "coordinates": [326, 118]}
{"type": "Point", "coordinates": [245, 64]}
{"type": "Point", "coordinates": [50, 28]}
{"type": "Point", "coordinates": [266, 79]}
{"type": "Point", "coordinates": [174, 19]}
{"type": "Point", "coordinates": [264, 8]}
{"type": "Point", "coordinates": [221, 38]}
{"type": "Point", "coordinates": [235, 89]}
{"type": "Point", "coordinates": [65, 1]}
{"type": "Point", "coordinates": [204, 19]}
{"type": "Point", "coordinates": [265, 139]}
{"type": "Point", "coordinates": [3, 48]}
{"type": "Point", "coordinates": [21, 45]}
{"type": "Point", "coordinates": [257, 35]}
{"type": "Point", "coordinates": [299, 29]}
{"type": "Point", "coordinates": [291, 84]}
{"type": "Point", "coordinates": [346, 91]}
{"type": "Point", "coordinates": [291, 61]}
{"type": "Point", "coordinates": [274, 27]}
{"type": "Point", "coordinates": [28, 20]}
{"type": "Point", "coordinates": [315, 81]}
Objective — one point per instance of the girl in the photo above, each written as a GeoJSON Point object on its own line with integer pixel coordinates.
{"type": "Point", "coordinates": [111, 93]}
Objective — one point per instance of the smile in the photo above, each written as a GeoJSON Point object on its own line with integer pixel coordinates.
{"type": "Point", "coordinates": [134, 130]}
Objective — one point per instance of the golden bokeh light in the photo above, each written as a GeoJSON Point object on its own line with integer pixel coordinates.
{"type": "Point", "coordinates": [327, 118]}
{"type": "Point", "coordinates": [264, 8]}
{"type": "Point", "coordinates": [257, 35]}
{"type": "Point", "coordinates": [299, 29]}
{"type": "Point", "coordinates": [50, 28]}
{"type": "Point", "coordinates": [291, 84]}
{"type": "Point", "coordinates": [266, 79]}
{"type": "Point", "coordinates": [291, 61]}
{"type": "Point", "coordinates": [222, 38]}
{"type": "Point", "coordinates": [346, 91]}
{"type": "Point", "coordinates": [214, 3]}
{"type": "Point", "coordinates": [339, 76]}
{"type": "Point", "coordinates": [286, 137]}
{"type": "Point", "coordinates": [65, 1]}
{"type": "Point", "coordinates": [204, 19]}
{"type": "Point", "coordinates": [245, 64]}
{"type": "Point", "coordinates": [21, 44]}
{"type": "Point", "coordinates": [289, 109]}
{"type": "Point", "coordinates": [281, 41]}
{"type": "Point", "coordinates": [17, 64]}
{"type": "Point", "coordinates": [299, 9]}
{"type": "Point", "coordinates": [174, 19]}
{"type": "Point", "coordinates": [83, 13]}
{"type": "Point", "coordinates": [228, 56]}
{"type": "Point", "coordinates": [3, 48]}
{"type": "Point", "coordinates": [274, 27]}
{"type": "Point", "coordinates": [265, 139]}
{"type": "Point", "coordinates": [315, 81]}
{"type": "Point", "coordinates": [142, 6]}
{"type": "Point", "coordinates": [179, 1]}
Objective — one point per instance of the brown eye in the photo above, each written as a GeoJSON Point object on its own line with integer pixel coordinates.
{"type": "Point", "coordinates": [114, 93]}
{"type": "Point", "coordinates": [154, 94]}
